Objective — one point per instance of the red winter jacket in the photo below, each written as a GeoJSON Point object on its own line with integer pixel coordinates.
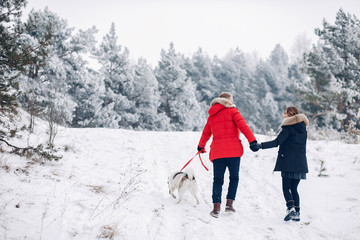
{"type": "Point", "coordinates": [225, 123]}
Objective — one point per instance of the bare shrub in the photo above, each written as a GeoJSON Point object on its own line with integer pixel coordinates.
{"type": "Point", "coordinates": [108, 232]}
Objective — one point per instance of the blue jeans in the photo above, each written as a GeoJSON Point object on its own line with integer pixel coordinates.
{"type": "Point", "coordinates": [220, 164]}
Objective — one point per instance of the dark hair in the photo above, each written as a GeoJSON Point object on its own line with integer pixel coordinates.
{"type": "Point", "coordinates": [291, 111]}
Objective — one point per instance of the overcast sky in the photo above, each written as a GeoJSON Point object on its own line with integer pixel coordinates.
{"type": "Point", "coordinates": [147, 26]}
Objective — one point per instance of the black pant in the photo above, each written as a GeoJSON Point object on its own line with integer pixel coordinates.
{"type": "Point", "coordinates": [220, 165]}
{"type": "Point", "coordinates": [290, 192]}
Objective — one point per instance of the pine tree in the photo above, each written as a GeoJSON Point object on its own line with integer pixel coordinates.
{"type": "Point", "coordinates": [279, 63]}
{"type": "Point", "coordinates": [56, 83]}
{"type": "Point", "coordinates": [265, 114]}
{"type": "Point", "coordinates": [85, 88]}
{"type": "Point", "coordinates": [300, 47]}
{"type": "Point", "coordinates": [87, 94]}
{"type": "Point", "coordinates": [178, 100]}
{"type": "Point", "coordinates": [223, 72]}
{"type": "Point", "coordinates": [147, 99]}
{"type": "Point", "coordinates": [9, 52]}
{"type": "Point", "coordinates": [118, 108]}
{"type": "Point", "coordinates": [242, 80]}
{"type": "Point", "coordinates": [199, 69]}
{"type": "Point", "coordinates": [235, 76]}
{"type": "Point", "coordinates": [15, 51]}
{"type": "Point", "coordinates": [273, 90]}
{"type": "Point", "coordinates": [334, 69]}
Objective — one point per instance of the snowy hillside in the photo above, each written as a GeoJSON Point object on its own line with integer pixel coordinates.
{"type": "Point", "coordinates": [113, 184]}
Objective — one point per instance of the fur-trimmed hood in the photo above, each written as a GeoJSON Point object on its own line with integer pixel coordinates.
{"type": "Point", "coordinates": [298, 118]}
{"type": "Point", "coordinates": [223, 101]}
{"type": "Point", "coordinates": [218, 104]}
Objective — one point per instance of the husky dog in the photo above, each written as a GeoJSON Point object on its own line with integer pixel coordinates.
{"type": "Point", "coordinates": [183, 181]}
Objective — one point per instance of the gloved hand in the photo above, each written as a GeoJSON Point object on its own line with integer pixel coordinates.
{"type": "Point", "coordinates": [255, 146]}
{"type": "Point", "coordinates": [201, 150]}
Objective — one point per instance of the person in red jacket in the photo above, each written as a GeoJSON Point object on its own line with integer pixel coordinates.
{"type": "Point", "coordinates": [225, 124]}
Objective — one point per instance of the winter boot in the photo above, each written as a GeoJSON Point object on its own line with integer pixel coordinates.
{"type": "Point", "coordinates": [296, 216]}
{"type": "Point", "coordinates": [289, 214]}
{"type": "Point", "coordinates": [216, 211]}
{"type": "Point", "coordinates": [229, 206]}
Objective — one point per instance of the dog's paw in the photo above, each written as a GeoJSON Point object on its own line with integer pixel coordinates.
{"type": "Point", "coordinates": [173, 195]}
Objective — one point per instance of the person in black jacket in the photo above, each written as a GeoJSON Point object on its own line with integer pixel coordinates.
{"type": "Point", "coordinates": [291, 159]}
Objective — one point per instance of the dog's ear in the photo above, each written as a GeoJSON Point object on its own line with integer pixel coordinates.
{"type": "Point", "coordinates": [177, 173]}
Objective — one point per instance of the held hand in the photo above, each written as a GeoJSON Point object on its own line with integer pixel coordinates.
{"type": "Point", "coordinates": [255, 146]}
{"type": "Point", "coordinates": [201, 150]}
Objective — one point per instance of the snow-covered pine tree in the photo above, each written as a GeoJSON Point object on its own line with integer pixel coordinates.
{"type": "Point", "coordinates": [334, 69]}
{"type": "Point", "coordinates": [274, 90]}
{"type": "Point", "coordinates": [235, 76]}
{"type": "Point", "coordinates": [177, 91]}
{"type": "Point", "coordinates": [300, 47]}
{"type": "Point", "coordinates": [298, 78]}
{"type": "Point", "coordinates": [236, 65]}
{"type": "Point", "coordinates": [118, 108]}
{"type": "Point", "coordinates": [146, 96]}
{"type": "Point", "coordinates": [54, 84]}
{"type": "Point", "coordinates": [88, 95]}
{"type": "Point", "coordinates": [200, 70]}
{"type": "Point", "coordinates": [17, 51]}
{"type": "Point", "coordinates": [85, 86]}
{"type": "Point", "coordinates": [279, 82]}
{"type": "Point", "coordinates": [10, 12]}
{"type": "Point", "coordinates": [223, 73]}
{"type": "Point", "coordinates": [265, 115]}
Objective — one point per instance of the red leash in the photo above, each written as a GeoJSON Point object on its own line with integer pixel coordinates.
{"type": "Point", "coordinates": [198, 153]}
{"type": "Point", "coordinates": [203, 163]}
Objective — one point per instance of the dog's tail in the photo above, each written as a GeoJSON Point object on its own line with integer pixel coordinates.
{"type": "Point", "coordinates": [190, 173]}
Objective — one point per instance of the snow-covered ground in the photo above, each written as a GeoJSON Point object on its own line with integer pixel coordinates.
{"type": "Point", "coordinates": [113, 184]}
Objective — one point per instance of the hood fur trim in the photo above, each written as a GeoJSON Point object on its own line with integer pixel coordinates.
{"type": "Point", "coordinates": [223, 101]}
{"type": "Point", "coordinates": [298, 118]}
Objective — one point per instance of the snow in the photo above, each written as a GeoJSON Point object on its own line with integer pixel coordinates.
{"type": "Point", "coordinates": [112, 184]}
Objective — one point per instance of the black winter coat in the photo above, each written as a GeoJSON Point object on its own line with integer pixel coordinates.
{"type": "Point", "coordinates": [292, 140]}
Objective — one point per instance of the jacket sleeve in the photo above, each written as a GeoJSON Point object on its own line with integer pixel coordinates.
{"type": "Point", "coordinates": [243, 127]}
{"type": "Point", "coordinates": [284, 134]}
{"type": "Point", "coordinates": [206, 134]}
